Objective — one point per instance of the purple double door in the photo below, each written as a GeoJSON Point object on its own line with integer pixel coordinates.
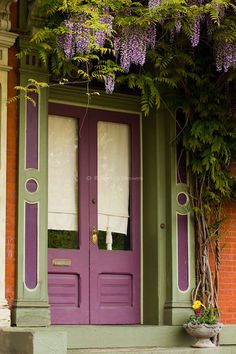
{"type": "Point", "coordinates": [94, 216]}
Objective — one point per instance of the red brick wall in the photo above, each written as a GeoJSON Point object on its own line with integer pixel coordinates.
{"type": "Point", "coordinates": [12, 133]}
{"type": "Point", "coordinates": [227, 296]}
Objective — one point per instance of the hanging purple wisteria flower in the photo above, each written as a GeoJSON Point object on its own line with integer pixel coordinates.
{"type": "Point", "coordinates": [132, 45]}
{"type": "Point", "coordinates": [196, 27]}
{"type": "Point", "coordinates": [225, 56]}
{"type": "Point", "coordinates": [100, 35]}
{"type": "Point", "coordinates": [221, 11]}
{"type": "Point", "coordinates": [79, 36]}
{"type": "Point", "coordinates": [82, 36]}
{"type": "Point", "coordinates": [178, 24]}
{"type": "Point", "coordinates": [152, 4]}
{"type": "Point", "coordinates": [109, 84]}
{"type": "Point", "coordinates": [66, 41]}
{"type": "Point", "coordinates": [151, 36]}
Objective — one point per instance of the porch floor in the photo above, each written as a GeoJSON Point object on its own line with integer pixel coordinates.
{"type": "Point", "coordinates": [142, 339]}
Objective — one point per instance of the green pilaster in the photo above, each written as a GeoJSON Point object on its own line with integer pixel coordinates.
{"type": "Point", "coordinates": [154, 216]}
{"type": "Point", "coordinates": [150, 251]}
{"type": "Point", "coordinates": [31, 305]}
{"type": "Point", "coordinates": [178, 303]}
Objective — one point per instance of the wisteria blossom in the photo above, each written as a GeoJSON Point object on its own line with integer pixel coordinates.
{"type": "Point", "coordinates": [225, 56]}
{"type": "Point", "coordinates": [153, 3]}
{"type": "Point", "coordinates": [79, 36]}
{"type": "Point", "coordinates": [151, 36]}
{"type": "Point", "coordinates": [221, 11]}
{"type": "Point", "coordinates": [132, 45]}
{"type": "Point", "coordinates": [109, 84]}
{"type": "Point", "coordinates": [178, 24]}
{"type": "Point", "coordinates": [196, 28]}
{"type": "Point", "coordinates": [100, 35]}
{"type": "Point", "coordinates": [66, 41]}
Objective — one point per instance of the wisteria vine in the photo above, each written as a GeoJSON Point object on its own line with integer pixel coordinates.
{"type": "Point", "coordinates": [131, 42]}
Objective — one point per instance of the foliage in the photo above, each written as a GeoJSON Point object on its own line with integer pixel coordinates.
{"type": "Point", "coordinates": [202, 314]}
{"type": "Point", "coordinates": [176, 53]}
{"type": "Point", "coordinates": [66, 239]}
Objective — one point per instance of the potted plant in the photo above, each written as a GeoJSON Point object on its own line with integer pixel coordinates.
{"type": "Point", "coordinates": [203, 324]}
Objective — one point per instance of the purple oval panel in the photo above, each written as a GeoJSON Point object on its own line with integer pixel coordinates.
{"type": "Point", "coordinates": [31, 185]}
{"type": "Point", "coordinates": [182, 198]}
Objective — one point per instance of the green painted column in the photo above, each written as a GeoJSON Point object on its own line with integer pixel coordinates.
{"type": "Point", "coordinates": [31, 303]}
{"type": "Point", "coordinates": [180, 266]}
{"type": "Point", "coordinates": [154, 217]}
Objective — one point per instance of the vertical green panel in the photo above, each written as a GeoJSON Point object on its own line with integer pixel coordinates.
{"type": "Point", "coordinates": [178, 303]}
{"type": "Point", "coordinates": [31, 305]}
{"type": "Point", "coordinates": [150, 279]}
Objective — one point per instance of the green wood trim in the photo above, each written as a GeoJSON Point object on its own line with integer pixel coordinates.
{"type": "Point", "coordinates": [166, 339]}
{"type": "Point", "coordinates": [150, 250]}
{"type": "Point", "coordinates": [178, 303]}
{"type": "Point", "coordinates": [31, 306]}
{"type": "Point", "coordinates": [78, 96]}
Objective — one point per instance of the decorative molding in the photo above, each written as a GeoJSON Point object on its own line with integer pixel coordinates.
{"type": "Point", "coordinates": [35, 21]}
{"type": "Point", "coordinates": [7, 39]}
{"type": "Point", "coordinates": [5, 23]}
{"type": "Point", "coordinates": [31, 307]}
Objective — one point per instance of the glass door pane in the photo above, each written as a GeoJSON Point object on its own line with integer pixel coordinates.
{"type": "Point", "coordinates": [63, 182]}
{"type": "Point", "coordinates": [113, 181]}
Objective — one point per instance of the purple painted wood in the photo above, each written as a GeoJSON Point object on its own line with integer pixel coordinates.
{"type": "Point", "coordinates": [115, 290]}
{"type": "Point", "coordinates": [79, 268]}
{"type": "Point", "coordinates": [183, 266]}
{"type": "Point", "coordinates": [63, 290]}
{"type": "Point", "coordinates": [116, 264]}
{"type": "Point", "coordinates": [93, 270]}
{"type": "Point", "coordinates": [31, 244]}
{"type": "Point", "coordinates": [31, 185]}
{"type": "Point", "coordinates": [182, 199]}
{"type": "Point", "coordinates": [32, 132]}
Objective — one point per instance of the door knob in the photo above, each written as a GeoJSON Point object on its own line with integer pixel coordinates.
{"type": "Point", "coordinates": [94, 235]}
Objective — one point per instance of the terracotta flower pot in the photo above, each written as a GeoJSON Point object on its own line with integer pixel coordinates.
{"type": "Point", "coordinates": [203, 332]}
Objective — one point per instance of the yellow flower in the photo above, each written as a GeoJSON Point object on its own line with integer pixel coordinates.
{"type": "Point", "coordinates": [197, 304]}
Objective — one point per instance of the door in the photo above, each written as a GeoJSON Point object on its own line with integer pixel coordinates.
{"type": "Point", "coordinates": [93, 216]}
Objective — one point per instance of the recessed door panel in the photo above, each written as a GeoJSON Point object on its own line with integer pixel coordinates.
{"type": "Point", "coordinates": [94, 213]}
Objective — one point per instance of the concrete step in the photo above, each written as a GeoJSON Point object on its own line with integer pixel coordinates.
{"type": "Point", "coordinates": [155, 350]}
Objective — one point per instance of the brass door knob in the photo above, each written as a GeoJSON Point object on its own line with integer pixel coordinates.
{"type": "Point", "coordinates": [94, 236]}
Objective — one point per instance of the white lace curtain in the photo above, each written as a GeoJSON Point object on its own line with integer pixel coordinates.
{"type": "Point", "coordinates": [113, 176]}
{"type": "Point", "coordinates": [63, 173]}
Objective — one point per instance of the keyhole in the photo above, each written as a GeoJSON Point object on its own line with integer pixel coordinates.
{"type": "Point", "coordinates": [94, 201]}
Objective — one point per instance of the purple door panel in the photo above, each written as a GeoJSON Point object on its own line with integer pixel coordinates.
{"type": "Point", "coordinates": [115, 275]}
{"type": "Point", "coordinates": [89, 285]}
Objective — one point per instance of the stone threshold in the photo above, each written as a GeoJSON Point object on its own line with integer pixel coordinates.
{"type": "Point", "coordinates": [155, 350]}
